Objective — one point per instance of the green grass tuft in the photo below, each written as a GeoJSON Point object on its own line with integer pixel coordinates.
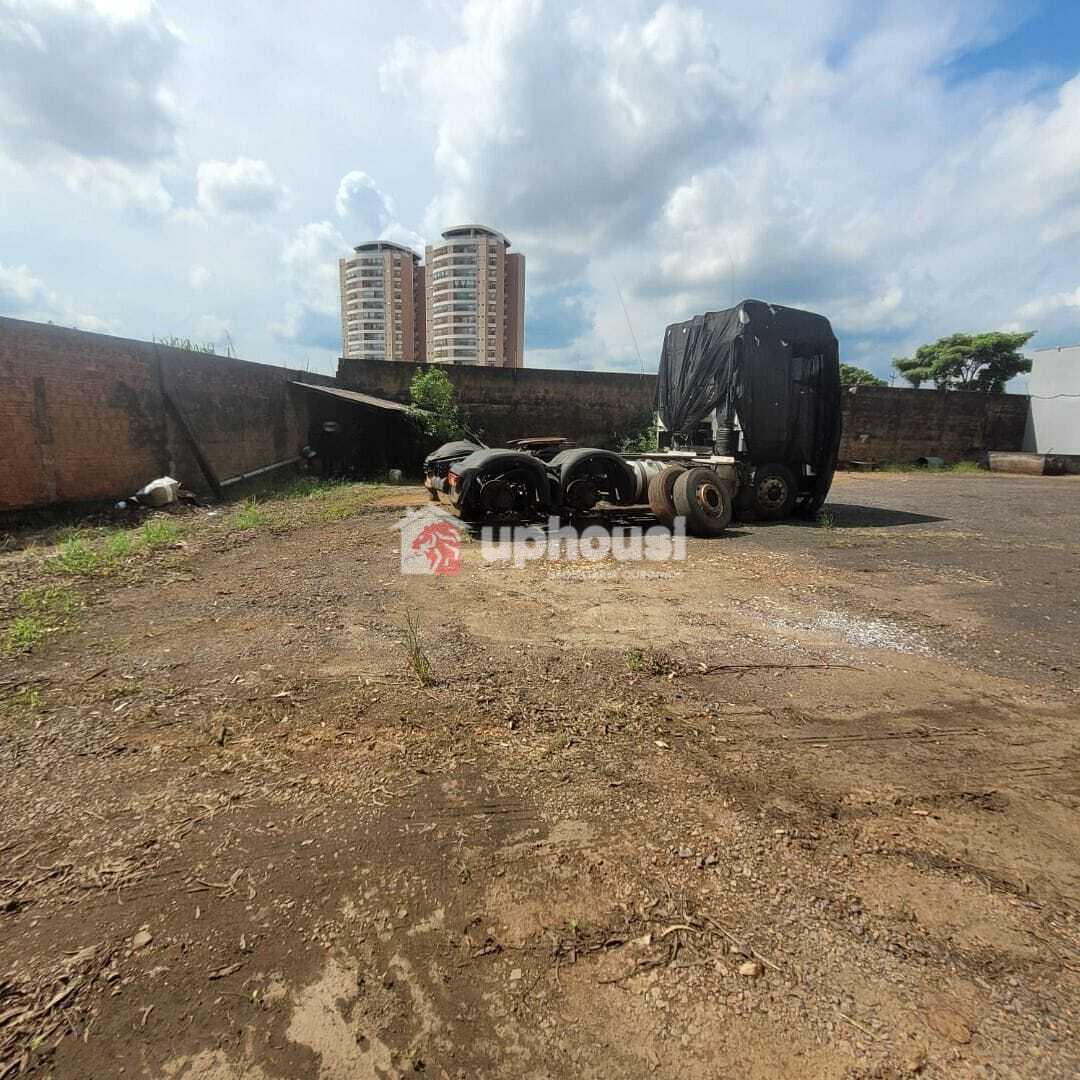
{"type": "Point", "coordinates": [962, 467]}
{"type": "Point", "coordinates": [22, 635]}
{"type": "Point", "coordinates": [49, 600]}
{"type": "Point", "coordinates": [21, 705]}
{"type": "Point", "coordinates": [249, 516]}
{"type": "Point", "coordinates": [418, 659]}
{"type": "Point", "coordinates": [117, 545]}
{"type": "Point", "coordinates": [76, 558]}
{"type": "Point", "coordinates": [158, 534]}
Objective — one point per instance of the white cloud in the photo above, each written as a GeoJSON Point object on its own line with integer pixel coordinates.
{"type": "Point", "coordinates": [24, 295]}
{"type": "Point", "coordinates": [688, 151]}
{"type": "Point", "coordinates": [198, 276]}
{"type": "Point", "coordinates": [213, 329]}
{"type": "Point", "coordinates": [1048, 305]}
{"type": "Point", "coordinates": [83, 96]}
{"type": "Point", "coordinates": [87, 79]}
{"type": "Point", "coordinates": [359, 199]}
{"type": "Point", "coordinates": [369, 214]}
{"type": "Point", "coordinates": [567, 125]}
{"type": "Point", "coordinates": [245, 186]}
{"type": "Point", "coordinates": [310, 258]}
{"type": "Point", "coordinates": [310, 263]}
{"type": "Point", "coordinates": [833, 166]}
{"type": "Point", "coordinates": [19, 288]}
{"type": "Point", "coordinates": [119, 186]}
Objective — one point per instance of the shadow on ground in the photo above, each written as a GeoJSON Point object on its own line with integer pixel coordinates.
{"type": "Point", "coordinates": [848, 516]}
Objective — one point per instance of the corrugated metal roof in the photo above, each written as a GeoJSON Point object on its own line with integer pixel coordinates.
{"type": "Point", "coordinates": [354, 396]}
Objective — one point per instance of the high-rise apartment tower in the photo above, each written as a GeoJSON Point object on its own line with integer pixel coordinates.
{"type": "Point", "coordinates": [475, 304]}
{"type": "Point", "coordinates": [382, 302]}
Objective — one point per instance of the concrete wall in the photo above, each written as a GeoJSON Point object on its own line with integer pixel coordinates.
{"type": "Point", "coordinates": [84, 415]}
{"type": "Point", "coordinates": [1053, 425]}
{"type": "Point", "coordinates": [881, 424]}
{"type": "Point", "coordinates": [593, 408]}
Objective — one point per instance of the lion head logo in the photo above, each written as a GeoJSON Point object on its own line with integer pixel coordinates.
{"type": "Point", "coordinates": [441, 545]}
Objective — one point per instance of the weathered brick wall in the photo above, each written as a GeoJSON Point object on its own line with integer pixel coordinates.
{"type": "Point", "coordinates": [888, 424]}
{"type": "Point", "coordinates": [244, 415]}
{"type": "Point", "coordinates": [76, 419]}
{"type": "Point", "coordinates": [590, 407]}
{"type": "Point", "coordinates": [883, 424]}
{"type": "Point", "coordinates": [84, 415]}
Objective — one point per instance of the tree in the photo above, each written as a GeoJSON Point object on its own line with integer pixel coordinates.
{"type": "Point", "coordinates": [967, 361]}
{"type": "Point", "coordinates": [431, 396]}
{"type": "Point", "coordinates": [850, 375]}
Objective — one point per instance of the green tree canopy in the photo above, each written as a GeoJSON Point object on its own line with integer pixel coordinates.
{"type": "Point", "coordinates": [850, 375]}
{"type": "Point", "coordinates": [967, 361]}
{"type": "Point", "coordinates": [431, 395]}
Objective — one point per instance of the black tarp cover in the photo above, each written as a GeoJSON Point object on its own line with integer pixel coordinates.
{"type": "Point", "coordinates": [777, 368]}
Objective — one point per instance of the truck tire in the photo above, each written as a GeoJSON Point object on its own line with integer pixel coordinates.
{"type": "Point", "coordinates": [775, 492]}
{"type": "Point", "coordinates": [701, 497]}
{"type": "Point", "coordinates": [661, 501]}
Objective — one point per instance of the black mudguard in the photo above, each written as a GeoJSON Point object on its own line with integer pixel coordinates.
{"type": "Point", "coordinates": [589, 460]}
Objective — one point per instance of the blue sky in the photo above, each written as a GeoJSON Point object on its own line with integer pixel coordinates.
{"type": "Point", "coordinates": [908, 169]}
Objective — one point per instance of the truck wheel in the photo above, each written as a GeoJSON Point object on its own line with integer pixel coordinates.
{"type": "Point", "coordinates": [775, 491]}
{"type": "Point", "coordinates": [661, 501]}
{"type": "Point", "coordinates": [702, 499]}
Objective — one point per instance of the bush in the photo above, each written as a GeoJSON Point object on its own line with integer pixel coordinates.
{"type": "Point", "coordinates": [433, 410]}
{"type": "Point", "coordinates": [643, 437]}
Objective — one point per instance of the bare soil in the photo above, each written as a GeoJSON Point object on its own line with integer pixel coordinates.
{"type": "Point", "coordinates": [805, 804]}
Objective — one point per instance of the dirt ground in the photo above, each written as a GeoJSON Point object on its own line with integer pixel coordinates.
{"type": "Point", "coordinates": [805, 804]}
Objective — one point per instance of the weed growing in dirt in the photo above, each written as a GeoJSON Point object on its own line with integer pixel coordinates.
{"type": "Point", "coordinates": [961, 468]}
{"type": "Point", "coordinates": [76, 558]}
{"type": "Point", "coordinates": [646, 662]}
{"type": "Point", "coordinates": [336, 502]}
{"type": "Point", "coordinates": [49, 601]}
{"type": "Point", "coordinates": [249, 516]}
{"type": "Point", "coordinates": [158, 534]}
{"type": "Point", "coordinates": [305, 487]}
{"type": "Point", "coordinates": [117, 545]}
{"type": "Point", "coordinates": [825, 520]}
{"type": "Point", "coordinates": [22, 635]}
{"type": "Point", "coordinates": [46, 608]}
{"type": "Point", "coordinates": [21, 705]}
{"type": "Point", "coordinates": [70, 532]}
{"type": "Point", "coordinates": [309, 500]}
{"type": "Point", "coordinates": [418, 659]}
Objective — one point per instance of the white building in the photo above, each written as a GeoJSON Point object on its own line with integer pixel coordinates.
{"type": "Point", "coordinates": [1053, 425]}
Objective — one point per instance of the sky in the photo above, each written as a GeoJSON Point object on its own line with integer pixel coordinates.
{"type": "Point", "coordinates": [195, 169]}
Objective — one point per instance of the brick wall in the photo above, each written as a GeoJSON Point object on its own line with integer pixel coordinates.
{"type": "Point", "coordinates": [883, 424]}
{"type": "Point", "coordinates": [84, 415]}
{"type": "Point", "coordinates": [590, 407]}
